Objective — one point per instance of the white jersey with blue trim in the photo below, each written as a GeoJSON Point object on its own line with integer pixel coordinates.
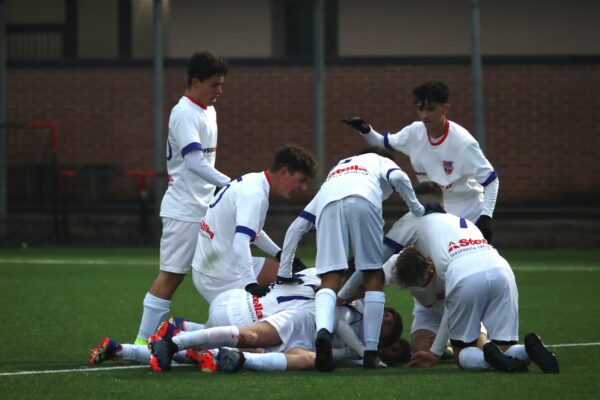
{"type": "Point", "coordinates": [285, 296]}
{"type": "Point", "coordinates": [454, 161]}
{"type": "Point", "coordinates": [191, 128]}
{"type": "Point", "coordinates": [239, 207]}
{"type": "Point", "coordinates": [367, 176]}
{"type": "Point", "coordinates": [441, 237]}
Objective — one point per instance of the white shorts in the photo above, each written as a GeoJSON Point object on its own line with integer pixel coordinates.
{"type": "Point", "coordinates": [296, 328]}
{"type": "Point", "coordinates": [427, 318]}
{"type": "Point", "coordinates": [489, 297]}
{"type": "Point", "coordinates": [350, 223]}
{"type": "Point", "coordinates": [210, 287]}
{"type": "Point", "coordinates": [232, 307]}
{"type": "Point", "coordinates": [177, 245]}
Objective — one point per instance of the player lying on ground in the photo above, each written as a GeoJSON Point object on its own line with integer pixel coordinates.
{"type": "Point", "coordinates": [286, 336]}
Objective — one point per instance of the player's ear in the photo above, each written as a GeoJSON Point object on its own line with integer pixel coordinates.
{"type": "Point", "coordinates": [446, 108]}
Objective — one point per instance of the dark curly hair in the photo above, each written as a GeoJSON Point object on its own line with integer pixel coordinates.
{"type": "Point", "coordinates": [204, 65]}
{"type": "Point", "coordinates": [431, 92]}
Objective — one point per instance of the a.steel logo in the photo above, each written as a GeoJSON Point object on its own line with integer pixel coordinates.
{"type": "Point", "coordinates": [352, 168]}
{"type": "Point", "coordinates": [257, 307]}
{"type": "Point", "coordinates": [465, 243]}
{"type": "Point", "coordinates": [206, 229]}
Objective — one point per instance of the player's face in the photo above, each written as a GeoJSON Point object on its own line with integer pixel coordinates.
{"type": "Point", "coordinates": [387, 325]}
{"type": "Point", "coordinates": [208, 91]}
{"type": "Point", "coordinates": [433, 115]}
{"type": "Point", "coordinates": [292, 183]}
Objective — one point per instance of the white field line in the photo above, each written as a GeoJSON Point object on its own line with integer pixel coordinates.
{"type": "Point", "coordinates": [99, 369]}
{"type": "Point", "coordinates": [57, 261]}
{"type": "Point", "coordinates": [84, 369]}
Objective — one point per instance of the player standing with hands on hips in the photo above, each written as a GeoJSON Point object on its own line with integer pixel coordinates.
{"type": "Point", "coordinates": [191, 154]}
{"type": "Point", "coordinates": [444, 152]}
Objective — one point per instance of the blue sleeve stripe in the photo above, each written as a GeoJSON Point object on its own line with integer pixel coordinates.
{"type": "Point", "coordinates": [490, 179]}
{"type": "Point", "coordinates": [282, 299]}
{"type": "Point", "coordinates": [247, 231]}
{"type": "Point", "coordinates": [387, 175]}
{"type": "Point", "coordinates": [463, 223]}
{"type": "Point", "coordinates": [386, 141]}
{"type": "Point", "coordinates": [308, 216]}
{"type": "Point", "coordinates": [191, 147]}
{"type": "Point", "coordinates": [392, 244]}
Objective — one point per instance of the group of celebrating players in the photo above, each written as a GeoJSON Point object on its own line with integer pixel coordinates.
{"type": "Point", "coordinates": [273, 313]}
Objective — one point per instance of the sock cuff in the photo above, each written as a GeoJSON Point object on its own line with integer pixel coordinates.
{"type": "Point", "coordinates": [327, 292]}
{"type": "Point", "coordinates": [153, 301]}
{"type": "Point", "coordinates": [374, 296]}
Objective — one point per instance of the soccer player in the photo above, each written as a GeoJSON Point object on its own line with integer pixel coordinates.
{"type": "Point", "coordinates": [191, 153]}
{"type": "Point", "coordinates": [442, 151]}
{"type": "Point", "coordinates": [277, 334]}
{"type": "Point", "coordinates": [430, 297]}
{"type": "Point", "coordinates": [479, 287]}
{"type": "Point", "coordinates": [235, 219]}
{"type": "Point", "coordinates": [347, 214]}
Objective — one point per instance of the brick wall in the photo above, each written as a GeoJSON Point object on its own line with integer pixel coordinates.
{"type": "Point", "coordinates": [542, 120]}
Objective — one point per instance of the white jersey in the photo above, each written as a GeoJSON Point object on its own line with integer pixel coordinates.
{"type": "Point", "coordinates": [191, 127]}
{"type": "Point", "coordinates": [370, 176]}
{"type": "Point", "coordinates": [442, 237]}
{"type": "Point", "coordinates": [239, 207]}
{"type": "Point", "coordinates": [238, 307]}
{"type": "Point", "coordinates": [455, 162]}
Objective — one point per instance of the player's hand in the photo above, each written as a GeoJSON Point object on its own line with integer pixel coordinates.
{"type": "Point", "coordinates": [433, 208]}
{"type": "Point", "coordinates": [423, 359]}
{"type": "Point", "coordinates": [357, 123]}
{"type": "Point", "coordinates": [256, 290]}
{"type": "Point", "coordinates": [484, 223]}
{"type": "Point", "coordinates": [294, 280]}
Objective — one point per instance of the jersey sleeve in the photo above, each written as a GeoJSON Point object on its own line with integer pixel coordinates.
{"type": "Point", "coordinates": [185, 131]}
{"type": "Point", "coordinates": [250, 211]}
{"type": "Point", "coordinates": [399, 141]}
{"type": "Point", "coordinates": [305, 222]}
{"type": "Point", "coordinates": [403, 232]}
{"type": "Point", "coordinates": [477, 166]}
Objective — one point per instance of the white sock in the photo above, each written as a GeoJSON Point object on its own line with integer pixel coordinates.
{"type": "Point", "coordinates": [135, 352]}
{"type": "Point", "coordinates": [155, 311]}
{"type": "Point", "coordinates": [208, 338]}
{"type": "Point", "coordinates": [373, 313]}
{"type": "Point", "coordinates": [265, 361]}
{"type": "Point", "coordinates": [518, 351]}
{"type": "Point", "coordinates": [325, 306]}
{"type": "Point", "coordinates": [192, 326]}
{"type": "Point", "coordinates": [471, 358]}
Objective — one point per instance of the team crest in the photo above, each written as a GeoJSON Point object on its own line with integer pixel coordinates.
{"type": "Point", "coordinates": [448, 166]}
